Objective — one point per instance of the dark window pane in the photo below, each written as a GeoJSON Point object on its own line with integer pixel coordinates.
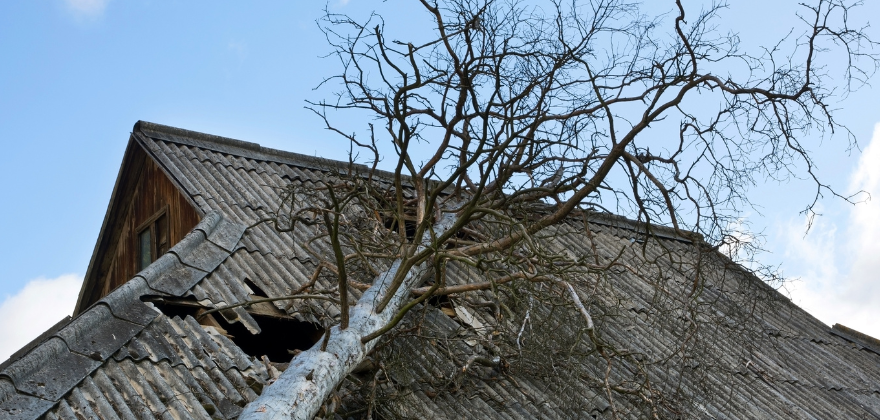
{"type": "Point", "coordinates": [161, 235]}
{"type": "Point", "coordinates": [145, 255]}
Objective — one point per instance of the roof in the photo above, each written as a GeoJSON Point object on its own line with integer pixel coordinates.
{"type": "Point", "coordinates": [124, 357]}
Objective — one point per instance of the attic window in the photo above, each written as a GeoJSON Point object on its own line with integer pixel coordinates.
{"type": "Point", "coordinates": [152, 239]}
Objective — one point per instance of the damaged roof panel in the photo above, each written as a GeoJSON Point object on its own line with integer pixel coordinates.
{"type": "Point", "coordinates": [166, 364]}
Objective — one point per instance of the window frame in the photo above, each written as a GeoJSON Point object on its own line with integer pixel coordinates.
{"type": "Point", "coordinates": [150, 224]}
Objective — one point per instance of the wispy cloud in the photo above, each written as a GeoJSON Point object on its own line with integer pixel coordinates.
{"type": "Point", "coordinates": [38, 306]}
{"type": "Point", "coordinates": [86, 9]}
{"type": "Point", "coordinates": [839, 269]}
{"type": "Point", "coordinates": [239, 48]}
{"type": "Point", "coordinates": [737, 244]}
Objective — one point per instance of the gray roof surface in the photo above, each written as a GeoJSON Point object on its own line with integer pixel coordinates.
{"type": "Point", "coordinates": [124, 359]}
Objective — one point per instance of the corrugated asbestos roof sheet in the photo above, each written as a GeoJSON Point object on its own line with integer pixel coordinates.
{"type": "Point", "coordinates": [124, 359]}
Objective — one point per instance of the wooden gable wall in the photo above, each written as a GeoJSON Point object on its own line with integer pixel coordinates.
{"type": "Point", "coordinates": [142, 190]}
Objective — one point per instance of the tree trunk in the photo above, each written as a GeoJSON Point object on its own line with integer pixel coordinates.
{"type": "Point", "coordinates": [313, 374]}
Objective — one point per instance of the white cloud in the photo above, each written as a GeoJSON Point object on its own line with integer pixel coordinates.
{"type": "Point", "coordinates": [35, 308]}
{"type": "Point", "coordinates": [87, 8]}
{"type": "Point", "coordinates": [839, 269]}
{"type": "Point", "coordinates": [736, 245]}
{"type": "Point", "coordinates": [813, 259]}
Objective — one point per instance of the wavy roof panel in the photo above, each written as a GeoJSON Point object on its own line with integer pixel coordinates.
{"type": "Point", "coordinates": [124, 358]}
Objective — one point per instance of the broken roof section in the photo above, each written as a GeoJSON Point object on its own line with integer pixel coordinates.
{"type": "Point", "coordinates": [104, 356]}
{"type": "Point", "coordinates": [140, 351]}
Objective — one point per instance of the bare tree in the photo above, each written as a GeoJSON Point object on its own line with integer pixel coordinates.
{"type": "Point", "coordinates": [507, 122]}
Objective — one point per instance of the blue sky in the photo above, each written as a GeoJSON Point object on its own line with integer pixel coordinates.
{"type": "Point", "coordinates": [77, 74]}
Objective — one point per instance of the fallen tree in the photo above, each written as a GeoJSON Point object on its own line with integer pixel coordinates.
{"type": "Point", "coordinates": [538, 114]}
{"type": "Point", "coordinates": [314, 373]}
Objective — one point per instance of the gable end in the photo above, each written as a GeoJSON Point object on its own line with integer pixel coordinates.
{"type": "Point", "coordinates": [143, 192]}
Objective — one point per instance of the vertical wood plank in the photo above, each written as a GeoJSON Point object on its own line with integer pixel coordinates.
{"type": "Point", "coordinates": [152, 192]}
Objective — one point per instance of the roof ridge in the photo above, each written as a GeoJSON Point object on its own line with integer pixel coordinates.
{"type": "Point", "coordinates": [245, 148]}
{"type": "Point", "coordinates": [857, 337]}
{"type": "Point", "coordinates": [254, 150]}
{"type": "Point", "coordinates": [146, 126]}
{"type": "Point", "coordinates": [641, 227]}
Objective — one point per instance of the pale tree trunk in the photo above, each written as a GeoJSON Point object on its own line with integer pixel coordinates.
{"type": "Point", "coordinates": [313, 374]}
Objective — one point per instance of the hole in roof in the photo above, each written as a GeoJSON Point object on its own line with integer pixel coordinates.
{"type": "Point", "coordinates": [279, 339]}
{"type": "Point", "coordinates": [443, 303]}
{"type": "Point", "coordinates": [393, 224]}
{"type": "Point", "coordinates": [387, 212]}
{"type": "Point", "coordinates": [171, 307]}
{"type": "Point", "coordinates": [258, 292]}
